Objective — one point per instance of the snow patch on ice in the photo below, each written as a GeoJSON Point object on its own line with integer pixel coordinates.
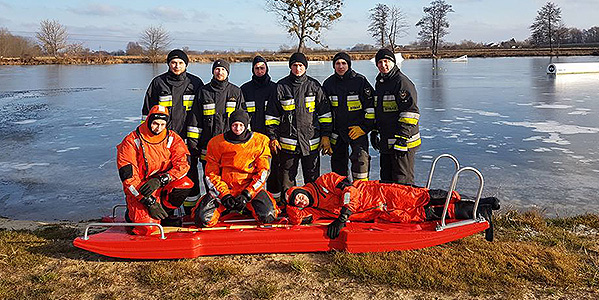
{"type": "Point", "coordinates": [6, 166]}
{"type": "Point", "coordinates": [68, 149]}
{"type": "Point", "coordinates": [541, 150]}
{"type": "Point", "coordinates": [481, 112]}
{"type": "Point", "coordinates": [446, 121]}
{"type": "Point", "coordinates": [127, 120]}
{"type": "Point", "coordinates": [23, 122]}
{"type": "Point", "coordinates": [553, 106]}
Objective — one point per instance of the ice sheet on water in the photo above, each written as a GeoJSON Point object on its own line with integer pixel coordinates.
{"type": "Point", "coordinates": [480, 112]}
{"type": "Point", "coordinates": [68, 149]}
{"type": "Point", "coordinates": [15, 95]}
{"type": "Point", "coordinates": [9, 166]}
{"type": "Point", "coordinates": [553, 106]}
{"type": "Point", "coordinates": [554, 127]}
{"type": "Point", "coordinates": [127, 120]}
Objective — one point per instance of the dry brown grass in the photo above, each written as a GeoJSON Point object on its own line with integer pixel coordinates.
{"type": "Point", "coordinates": [532, 257]}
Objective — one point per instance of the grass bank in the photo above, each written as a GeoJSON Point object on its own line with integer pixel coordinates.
{"type": "Point", "coordinates": [532, 258]}
{"type": "Point", "coordinates": [322, 56]}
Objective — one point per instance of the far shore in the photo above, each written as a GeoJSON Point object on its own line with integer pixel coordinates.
{"type": "Point", "coordinates": [315, 56]}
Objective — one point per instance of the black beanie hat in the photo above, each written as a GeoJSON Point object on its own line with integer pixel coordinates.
{"type": "Point", "coordinates": [177, 53]}
{"type": "Point", "coordinates": [239, 115]}
{"type": "Point", "coordinates": [384, 53]}
{"type": "Point", "coordinates": [298, 57]}
{"type": "Point", "coordinates": [153, 117]}
{"type": "Point", "coordinates": [344, 56]}
{"type": "Point", "coordinates": [258, 59]}
{"type": "Point", "coordinates": [291, 199]}
{"type": "Point", "coordinates": [221, 63]}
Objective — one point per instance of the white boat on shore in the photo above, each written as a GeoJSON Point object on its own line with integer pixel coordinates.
{"type": "Point", "coordinates": [463, 58]}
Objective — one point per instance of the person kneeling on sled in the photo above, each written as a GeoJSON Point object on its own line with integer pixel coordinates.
{"type": "Point", "coordinates": [237, 164]}
{"type": "Point", "coordinates": [334, 196]}
{"type": "Point", "coordinates": [152, 163]}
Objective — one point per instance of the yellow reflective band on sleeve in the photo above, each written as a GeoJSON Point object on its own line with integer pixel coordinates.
{"type": "Point", "coordinates": [288, 104]}
{"type": "Point", "coordinates": [408, 121]}
{"type": "Point", "coordinates": [414, 141]}
{"type": "Point", "coordinates": [370, 113]}
{"type": "Point", "coordinates": [288, 144]}
{"type": "Point", "coordinates": [270, 120]}
{"type": "Point", "coordinates": [389, 104]}
{"type": "Point", "coordinates": [165, 100]}
{"type": "Point", "coordinates": [209, 109]}
{"type": "Point", "coordinates": [193, 132]}
{"type": "Point", "coordinates": [203, 155]}
{"type": "Point", "coordinates": [251, 106]}
{"type": "Point", "coordinates": [409, 118]}
{"type": "Point", "coordinates": [334, 101]}
{"type": "Point", "coordinates": [333, 138]}
{"type": "Point", "coordinates": [354, 105]}
{"type": "Point", "coordinates": [230, 107]}
{"type": "Point", "coordinates": [314, 143]}
{"type": "Point", "coordinates": [326, 118]}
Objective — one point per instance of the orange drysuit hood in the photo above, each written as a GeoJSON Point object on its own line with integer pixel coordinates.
{"type": "Point", "coordinates": [156, 112]}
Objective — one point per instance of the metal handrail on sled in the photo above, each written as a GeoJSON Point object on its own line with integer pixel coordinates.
{"type": "Point", "coordinates": [454, 182]}
{"type": "Point", "coordinates": [115, 207]}
{"type": "Point", "coordinates": [430, 174]}
{"type": "Point", "coordinates": [86, 237]}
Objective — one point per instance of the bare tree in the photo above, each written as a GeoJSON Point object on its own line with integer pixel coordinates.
{"type": "Point", "coordinates": [398, 26]}
{"type": "Point", "coordinates": [52, 36]}
{"type": "Point", "coordinates": [379, 16]}
{"type": "Point", "coordinates": [154, 40]}
{"type": "Point", "coordinates": [305, 18]}
{"type": "Point", "coordinates": [547, 24]}
{"type": "Point", "coordinates": [433, 25]}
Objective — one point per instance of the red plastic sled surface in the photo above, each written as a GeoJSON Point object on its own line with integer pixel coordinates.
{"type": "Point", "coordinates": [356, 237]}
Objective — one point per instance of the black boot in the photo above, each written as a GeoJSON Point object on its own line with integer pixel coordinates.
{"type": "Point", "coordinates": [486, 211]}
{"type": "Point", "coordinates": [492, 201]}
{"type": "Point", "coordinates": [463, 210]}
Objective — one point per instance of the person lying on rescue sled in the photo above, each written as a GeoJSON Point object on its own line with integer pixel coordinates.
{"type": "Point", "coordinates": [237, 164]}
{"type": "Point", "coordinates": [334, 196]}
{"type": "Point", "coordinates": [152, 162]}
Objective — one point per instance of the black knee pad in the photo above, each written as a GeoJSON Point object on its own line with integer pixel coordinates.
{"type": "Point", "coordinates": [205, 210]}
{"type": "Point", "coordinates": [263, 207]}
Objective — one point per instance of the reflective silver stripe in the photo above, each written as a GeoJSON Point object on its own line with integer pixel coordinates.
{"type": "Point", "coordinates": [389, 98]}
{"type": "Point", "coordinates": [369, 110]}
{"type": "Point", "coordinates": [287, 102]}
{"type": "Point", "coordinates": [170, 142]}
{"type": "Point", "coordinates": [333, 98]}
{"type": "Point", "coordinates": [325, 190]}
{"type": "Point", "coordinates": [334, 136]}
{"type": "Point", "coordinates": [165, 98]}
{"type": "Point", "coordinates": [414, 138]}
{"type": "Point", "coordinates": [359, 175]}
{"type": "Point", "coordinates": [288, 141]}
{"type": "Point", "coordinates": [211, 188]}
{"type": "Point", "coordinates": [194, 129]}
{"type": "Point", "coordinates": [231, 104]}
{"type": "Point", "coordinates": [276, 195]}
{"type": "Point", "coordinates": [310, 98]}
{"type": "Point", "coordinates": [260, 181]}
{"type": "Point", "coordinates": [353, 97]}
{"type": "Point", "coordinates": [346, 198]}
{"type": "Point", "coordinates": [326, 115]}
{"type": "Point", "coordinates": [188, 97]}
{"type": "Point", "coordinates": [209, 106]}
{"type": "Point", "coordinates": [391, 141]}
{"type": "Point", "coordinates": [407, 114]}
{"type": "Point", "coordinates": [314, 141]}
{"type": "Point", "coordinates": [250, 104]}
{"type": "Point", "coordinates": [268, 117]}
{"type": "Point", "coordinates": [137, 143]}
{"type": "Point", "coordinates": [133, 191]}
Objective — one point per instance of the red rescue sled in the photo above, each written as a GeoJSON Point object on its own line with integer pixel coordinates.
{"type": "Point", "coordinates": [241, 237]}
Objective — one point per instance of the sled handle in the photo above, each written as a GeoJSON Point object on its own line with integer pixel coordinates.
{"type": "Point", "coordinates": [86, 236]}
{"type": "Point", "coordinates": [454, 182]}
{"type": "Point", "coordinates": [434, 164]}
{"type": "Point", "coordinates": [114, 209]}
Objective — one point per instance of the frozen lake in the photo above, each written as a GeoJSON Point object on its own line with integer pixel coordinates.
{"type": "Point", "coordinates": [533, 136]}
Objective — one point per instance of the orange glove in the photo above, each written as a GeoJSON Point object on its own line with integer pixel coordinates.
{"type": "Point", "coordinates": [274, 146]}
{"type": "Point", "coordinates": [355, 132]}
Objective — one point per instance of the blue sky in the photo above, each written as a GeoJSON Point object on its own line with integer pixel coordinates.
{"type": "Point", "coordinates": [245, 24]}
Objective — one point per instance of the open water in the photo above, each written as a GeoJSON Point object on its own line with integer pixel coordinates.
{"type": "Point", "coordinates": [533, 136]}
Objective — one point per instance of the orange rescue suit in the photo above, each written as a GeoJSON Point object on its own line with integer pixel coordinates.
{"type": "Point", "coordinates": [141, 155]}
{"type": "Point", "coordinates": [367, 200]}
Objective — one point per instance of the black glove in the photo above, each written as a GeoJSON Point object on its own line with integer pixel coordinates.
{"type": "Point", "coordinates": [401, 143]}
{"type": "Point", "coordinates": [242, 200]}
{"type": "Point", "coordinates": [228, 201]}
{"type": "Point", "coordinates": [335, 227]}
{"type": "Point", "coordinates": [375, 140]}
{"type": "Point", "coordinates": [153, 184]}
{"type": "Point", "coordinates": [154, 208]}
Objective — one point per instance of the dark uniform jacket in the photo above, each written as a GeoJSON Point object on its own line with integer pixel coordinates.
{"type": "Point", "coordinates": [298, 115]}
{"type": "Point", "coordinates": [396, 110]}
{"type": "Point", "coordinates": [352, 103]}
{"type": "Point", "coordinates": [256, 93]}
{"type": "Point", "coordinates": [177, 93]}
{"type": "Point", "coordinates": [210, 115]}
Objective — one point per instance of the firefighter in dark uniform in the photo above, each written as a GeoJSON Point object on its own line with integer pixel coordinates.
{"type": "Point", "coordinates": [210, 114]}
{"type": "Point", "coordinates": [256, 93]}
{"type": "Point", "coordinates": [352, 104]}
{"type": "Point", "coordinates": [396, 114]}
{"type": "Point", "coordinates": [298, 122]}
{"type": "Point", "coordinates": [176, 90]}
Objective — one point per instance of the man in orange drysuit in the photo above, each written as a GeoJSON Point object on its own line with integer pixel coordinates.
{"type": "Point", "coordinates": [334, 196]}
{"type": "Point", "coordinates": [237, 164]}
{"type": "Point", "coordinates": [152, 162]}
